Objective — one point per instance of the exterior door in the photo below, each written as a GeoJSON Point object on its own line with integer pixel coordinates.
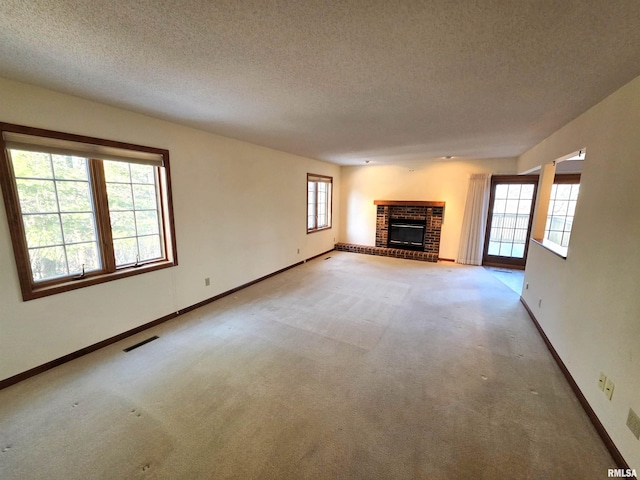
{"type": "Point", "coordinates": [509, 221]}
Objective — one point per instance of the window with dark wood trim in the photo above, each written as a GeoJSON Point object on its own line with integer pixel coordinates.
{"type": "Point", "coordinates": [319, 200]}
{"type": "Point", "coordinates": [83, 210]}
{"type": "Point", "coordinates": [562, 206]}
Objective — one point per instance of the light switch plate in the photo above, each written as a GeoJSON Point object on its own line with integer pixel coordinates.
{"type": "Point", "coordinates": [608, 388]}
{"type": "Point", "coordinates": [601, 381]}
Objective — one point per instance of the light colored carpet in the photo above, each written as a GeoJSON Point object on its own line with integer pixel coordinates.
{"type": "Point", "coordinates": [355, 367]}
{"type": "Point", "coordinates": [512, 278]}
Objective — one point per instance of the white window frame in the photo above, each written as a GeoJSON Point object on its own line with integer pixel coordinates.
{"type": "Point", "coordinates": [319, 205]}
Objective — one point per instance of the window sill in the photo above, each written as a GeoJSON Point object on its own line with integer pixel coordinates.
{"type": "Point", "coordinates": [318, 230]}
{"type": "Point", "coordinates": [39, 291]}
{"type": "Point", "coordinates": [552, 247]}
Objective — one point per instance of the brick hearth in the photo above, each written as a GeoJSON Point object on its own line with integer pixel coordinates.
{"type": "Point", "coordinates": [431, 212]}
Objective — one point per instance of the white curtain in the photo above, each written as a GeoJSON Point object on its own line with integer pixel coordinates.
{"type": "Point", "coordinates": [474, 222]}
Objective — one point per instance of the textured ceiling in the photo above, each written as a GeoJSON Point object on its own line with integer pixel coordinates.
{"type": "Point", "coordinates": [343, 81]}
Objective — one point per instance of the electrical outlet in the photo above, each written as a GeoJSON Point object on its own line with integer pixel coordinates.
{"type": "Point", "coordinates": [601, 381]}
{"type": "Point", "coordinates": [539, 302]}
{"type": "Point", "coordinates": [608, 388]}
{"type": "Point", "coordinates": [207, 282]}
{"type": "Point", "coordinates": [526, 286]}
{"type": "Point", "coordinates": [298, 250]}
{"type": "Point", "coordinates": [633, 422]}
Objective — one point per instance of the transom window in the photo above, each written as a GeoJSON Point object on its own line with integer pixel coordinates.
{"type": "Point", "coordinates": [319, 197]}
{"type": "Point", "coordinates": [82, 210]}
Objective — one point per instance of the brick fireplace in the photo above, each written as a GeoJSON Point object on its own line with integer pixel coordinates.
{"type": "Point", "coordinates": [431, 213]}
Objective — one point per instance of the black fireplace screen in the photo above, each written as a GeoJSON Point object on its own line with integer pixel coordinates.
{"type": "Point", "coordinates": [408, 234]}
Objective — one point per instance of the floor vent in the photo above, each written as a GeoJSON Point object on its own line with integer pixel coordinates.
{"type": "Point", "coordinates": [133, 347]}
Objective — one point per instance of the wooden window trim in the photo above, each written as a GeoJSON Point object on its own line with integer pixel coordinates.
{"type": "Point", "coordinates": [566, 178]}
{"type": "Point", "coordinates": [559, 250]}
{"type": "Point", "coordinates": [32, 290]}
{"type": "Point", "coordinates": [310, 177]}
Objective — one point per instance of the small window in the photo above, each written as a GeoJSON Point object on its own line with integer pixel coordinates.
{"type": "Point", "coordinates": [562, 207]}
{"type": "Point", "coordinates": [83, 210]}
{"type": "Point", "coordinates": [319, 197]}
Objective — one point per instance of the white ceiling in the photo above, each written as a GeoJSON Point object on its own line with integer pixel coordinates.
{"type": "Point", "coordinates": [343, 81]}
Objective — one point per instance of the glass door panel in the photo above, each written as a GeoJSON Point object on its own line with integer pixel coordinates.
{"type": "Point", "coordinates": [509, 220]}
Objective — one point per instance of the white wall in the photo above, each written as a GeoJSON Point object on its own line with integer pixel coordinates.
{"type": "Point", "coordinates": [590, 301]}
{"type": "Point", "coordinates": [223, 190]}
{"type": "Point", "coordinates": [431, 180]}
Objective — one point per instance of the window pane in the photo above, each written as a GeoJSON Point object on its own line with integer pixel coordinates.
{"type": "Point", "coordinates": [42, 230]}
{"type": "Point", "coordinates": [568, 225]}
{"type": "Point", "coordinates": [518, 250]}
{"type": "Point", "coordinates": [557, 223]}
{"type": "Point", "coordinates": [149, 247]}
{"type": "Point", "coordinates": [48, 231]}
{"type": "Point", "coordinates": [505, 249]}
{"type": "Point", "coordinates": [116, 172]}
{"type": "Point", "coordinates": [574, 191]}
{"type": "Point", "coordinates": [494, 248]}
{"type": "Point", "coordinates": [147, 222]}
{"type": "Point", "coordinates": [143, 174]}
{"type": "Point", "coordinates": [507, 234]}
{"type": "Point", "coordinates": [122, 224]}
{"type": "Point", "coordinates": [512, 206]}
{"type": "Point", "coordinates": [120, 196]}
{"type": "Point", "coordinates": [318, 204]}
{"type": "Point", "coordinates": [520, 235]}
{"type": "Point", "coordinates": [556, 237]}
{"type": "Point", "coordinates": [135, 213]}
{"type": "Point", "coordinates": [561, 210]}
{"type": "Point", "coordinates": [563, 192]}
{"type": "Point", "coordinates": [499, 205]}
{"type": "Point", "coordinates": [47, 263]}
{"type": "Point", "coordinates": [527, 192]}
{"type": "Point", "coordinates": [501, 191]}
{"type": "Point", "coordinates": [37, 196]}
{"type": "Point", "coordinates": [31, 164]}
{"type": "Point", "coordinates": [126, 250]}
{"type": "Point", "coordinates": [522, 221]}
{"type": "Point", "coordinates": [514, 191]}
{"type": "Point", "coordinates": [78, 227]}
{"type": "Point", "coordinates": [70, 168]}
{"type": "Point", "coordinates": [524, 206]}
{"type": "Point", "coordinates": [144, 197]}
{"type": "Point", "coordinates": [83, 253]}
{"type": "Point", "coordinates": [560, 207]}
{"type": "Point", "coordinates": [74, 196]}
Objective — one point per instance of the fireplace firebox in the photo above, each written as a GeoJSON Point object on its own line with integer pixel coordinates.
{"type": "Point", "coordinates": [406, 233]}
